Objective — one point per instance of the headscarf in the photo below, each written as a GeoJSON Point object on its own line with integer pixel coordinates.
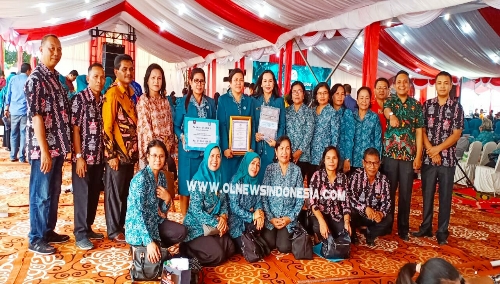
{"type": "Point", "coordinates": [242, 171]}
{"type": "Point", "coordinates": [204, 173]}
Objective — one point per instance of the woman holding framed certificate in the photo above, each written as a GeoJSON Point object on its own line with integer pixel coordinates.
{"type": "Point", "coordinates": [236, 115]}
{"type": "Point", "coordinates": [194, 105]}
{"type": "Point", "coordinates": [270, 118]}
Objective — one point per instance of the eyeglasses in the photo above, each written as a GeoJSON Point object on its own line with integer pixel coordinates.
{"type": "Point", "coordinates": [297, 92]}
{"type": "Point", "coordinates": [198, 81]}
{"type": "Point", "coordinates": [161, 157]}
{"type": "Point", "coordinates": [372, 164]}
{"type": "Point", "coordinates": [382, 88]}
{"type": "Point", "coordinates": [323, 94]}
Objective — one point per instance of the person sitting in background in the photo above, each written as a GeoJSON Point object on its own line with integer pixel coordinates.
{"type": "Point", "coordinates": [245, 211]}
{"type": "Point", "coordinates": [370, 199]}
{"type": "Point", "coordinates": [486, 133]}
{"type": "Point", "coordinates": [208, 210]}
{"type": "Point", "coordinates": [281, 211]}
{"type": "Point", "coordinates": [476, 114]}
{"type": "Point", "coordinates": [81, 83]}
{"type": "Point", "coordinates": [67, 82]}
{"type": "Point", "coordinates": [331, 215]}
{"type": "Point", "coordinates": [146, 222]}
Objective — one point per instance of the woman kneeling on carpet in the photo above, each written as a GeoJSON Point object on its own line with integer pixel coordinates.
{"type": "Point", "coordinates": [245, 210]}
{"type": "Point", "coordinates": [328, 198]}
{"type": "Point", "coordinates": [281, 210]}
{"type": "Point", "coordinates": [148, 202]}
{"type": "Point", "coordinates": [206, 218]}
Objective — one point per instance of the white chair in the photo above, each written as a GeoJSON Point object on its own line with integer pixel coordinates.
{"type": "Point", "coordinates": [487, 149]}
{"type": "Point", "coordinates": [466, 167]}
{"type": "Point", "coordinates": [488, 179]}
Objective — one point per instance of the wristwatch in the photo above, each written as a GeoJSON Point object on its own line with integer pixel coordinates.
{"type": "Point", "coordinates": [78, 156]}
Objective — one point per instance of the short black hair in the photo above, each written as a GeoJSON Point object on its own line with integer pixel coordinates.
{"type": "Point", "coordinates": [157, 143]}
{"type": "Point", "coordinates": [45, 37]}
{"type": "Point", "coordinates": [347, 88]}
{"type": "Point", "coordinates": [74, 73]}
{"type": "Point", "coordinates": [381, 79]}
{"type": "Point", "coordinates": [371, 152]}
{"type": "Point", "coordinates": [278, 143]}
{"type": "Point", "coordinates": [25, 67]}
{"type": "Point", "coordinates": [120, 58]}
{"type": "Point", "coordinates": [289, 96]}
{"type": "Point", "coordinates": [402, 72]}
{"type": "Point", "coordinates": [234, 72]}
{"type": "Point", "coordinates": [444, 73]}
{"type": "Point", "coordinates": [92, 66]}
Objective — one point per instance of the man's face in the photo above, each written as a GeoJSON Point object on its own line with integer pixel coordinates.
{"type": "Point", "coordinates": [381, 90]}
{"type": "Point", "coordinates": [71, 77]}
{"type": "Point", "coordinates": [51, 52]}
{"type": "Point", "coordinates": [96, 79]}
{"type": "Point", "coordinates": [402, 85]}
{"type": "Point", "coordinates": [124, 73]}
{"type": "Point", "coordinates": [443, 86]}
{"type": "Point", "coordinates": [371, 164]}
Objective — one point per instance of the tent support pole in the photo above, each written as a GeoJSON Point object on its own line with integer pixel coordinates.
{"type": "Point", "coordinates": [343, 55]}
{"type": "Point", "coordinates": [305, 60]}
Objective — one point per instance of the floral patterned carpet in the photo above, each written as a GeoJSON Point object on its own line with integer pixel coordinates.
{"type": "Point", "coordinates": [474, 241]}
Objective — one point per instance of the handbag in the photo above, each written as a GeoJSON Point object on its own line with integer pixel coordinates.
{"type": "Point", "coordinates": [305, 220]}
{"type": "Point", "coordinates": [301, 243]}
{"type": "Point", "coordinates": [339, 248]}
{"type": "Point", "coordinates": [142, 269]}
{"type": "Point", "coordinates": [250, 248]}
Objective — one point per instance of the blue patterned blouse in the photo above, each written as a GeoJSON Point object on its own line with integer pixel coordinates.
{"type": "Point", "coordinates": [142, 219]}
{"type": "Point", "coordinates": [357, 135]}
{"type": "Point", "coordinates": [239, 210]}
{"type": "Point", "coordinates": [326, 132]}
{"type": "Point", "coordinates": [280, 206]}
{"type": "Point", "coordinates": [300, 129]}
{"type": "Point", "coordinates": [200, 203]}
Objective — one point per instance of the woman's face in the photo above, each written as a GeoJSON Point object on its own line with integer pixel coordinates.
{"type": "Point", "coordinates": [254, 167]}
{"type": "Point", "coordinates": [198, 84]}
{"type": "Point", "coordinates": [156, 158]}
{"type": "Point", "coordinates": [339, 96]}
{"type": "Point", "coordinates": [214, 159]}
{"type": "Point", "coordinates": [267, 83]}
{"type": "Point", "coordinates": [283, 152]}
{"type": "Point", "coordinates": [155, 80]}
{"type": "Point", "coordinates": [363, 100]}
{"type": "Point", "coordinates": [297, 95]}
{"type": "Point", "coordinates": [331, 160]}
{"type": "Point", "coordinates": [322, 96]}
{"type": "Point", "coordinates": [237, 83]}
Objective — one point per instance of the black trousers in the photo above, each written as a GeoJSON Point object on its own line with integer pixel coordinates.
{"type": "Point", "coordinates": [373, 229]}
{"type": "Point", "coordinates": [335, 227]}
{"type": "Point", "coordinates": [171, 233]}
{"type": "Point", "coordinates": [432, 175]}
{"type": "Point", "coordinates": [400, 174]}
{"type": "Point", "coordinates": [277, 239]}
{"type": "Point", "coordinates": [115, 197]}
{"type": "Point", "coordinates": [86, 192]}
{"type": "Point", "coordinates": [210, 250]}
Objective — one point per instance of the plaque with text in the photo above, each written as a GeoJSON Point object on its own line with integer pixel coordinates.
{"type": "Point", "coordinates": [268, 122]}
{"type": "Point", "coordinates": [240, 132]}
{"type": "Point", "coordinates": [200, 132]}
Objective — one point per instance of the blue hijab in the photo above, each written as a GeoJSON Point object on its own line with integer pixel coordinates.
{"type": "Point", "coordinates": [204, 173]}
{"type": "Point", "coordinates": [242, 172]}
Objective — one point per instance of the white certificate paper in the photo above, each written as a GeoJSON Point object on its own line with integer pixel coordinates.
{"type": "Point", "coordinates": [240, 135]}
{"type": "Point", "coordinates": [200, 133]}
{"type": "Point", "coordinates": [268, 122]}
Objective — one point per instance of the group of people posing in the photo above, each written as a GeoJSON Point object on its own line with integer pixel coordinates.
{"type": "Point", "coordinates": [336, 149]}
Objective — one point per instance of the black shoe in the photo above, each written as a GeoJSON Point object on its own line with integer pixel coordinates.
{"type": "Point", "coordinates": [42, 247]}
{"type": "Point", "coordinates": [404, 237]}
{"type": "Point", "coordinates": [442, 242]}
{"type": "Point", "coordinates": [370, 242]}
{"type": "Point", "coordinates": [95, 236]}
{"type": "Point", "coordinates": [354, 239]}
{"type": "Point", "coordinates": [422, 234]}
{"type": "Point", "coordinates": [54, 238]}
{"type": "Point", "coordinates": [14, 160]}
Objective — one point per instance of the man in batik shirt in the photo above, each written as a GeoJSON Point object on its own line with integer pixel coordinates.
{"type": "Point", "coordinates": [370, 199]}
{"type": "Point", "coordinates": [444, 121]}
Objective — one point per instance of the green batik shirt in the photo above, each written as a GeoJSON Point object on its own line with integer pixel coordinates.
{"type": "Point", "coordinates": [400, 142]}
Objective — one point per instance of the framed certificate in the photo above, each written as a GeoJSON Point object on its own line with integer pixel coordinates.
{"type": "Point", "coordinates": [200, 132]}
{"type": "Point", "coordinates": [240, 132]}
{"type": "Point", "coordinates": [268, 122]}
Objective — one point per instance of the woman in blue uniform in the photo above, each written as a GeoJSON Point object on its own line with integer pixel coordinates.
{"type": "Point", "coordinates": [268, 94]}
{"type": "Point", "coordinates": [195, 104]}
{"type": "Point", "coordinates": [233, 103]}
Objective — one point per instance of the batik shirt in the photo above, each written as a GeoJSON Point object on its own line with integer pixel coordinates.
{"type": "Point", "coordinates": [142, 219]}
{"type": "Point", "coordinates": [120, 125]}
{"type": "Point", "coordinates": [282, 206]}
{"type": "Point", "coordinates": [357, 135]}
{"type": "Point", "coordinates": [300, 129]}
{"type": "Point", "coordinates": [154, 121]}
{"type": "Point", "coordinates": [46, 97]}
{"type": "Point", "coordinates": [363, 194]}
{"type": "Point", "coordinates": [440, 121]}
{"type": "Point", "coordinates": [331, 198]}
{"type": "Point", "coordinates": [326, 132]}
{"type": "Point", "coordinates": [239, 210]}
{"type": "Point", "coordinates": [86, 113]}
{"type": "Point", "coordinates": [400, 142]}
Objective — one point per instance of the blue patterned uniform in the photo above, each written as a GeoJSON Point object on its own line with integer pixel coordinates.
{"type": "Point", "coordinates": [142, 219]}
{"type": "Point", "coordinates": [357, 135]}
{"type": "Point", "coordinates": [279, 206]}
{"type": "Point", "coordinates": [239, 210]}
{"type": "Point", "coordinates": [300, 129]}
{"type": "Point", "coordinates": [326, 132]}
